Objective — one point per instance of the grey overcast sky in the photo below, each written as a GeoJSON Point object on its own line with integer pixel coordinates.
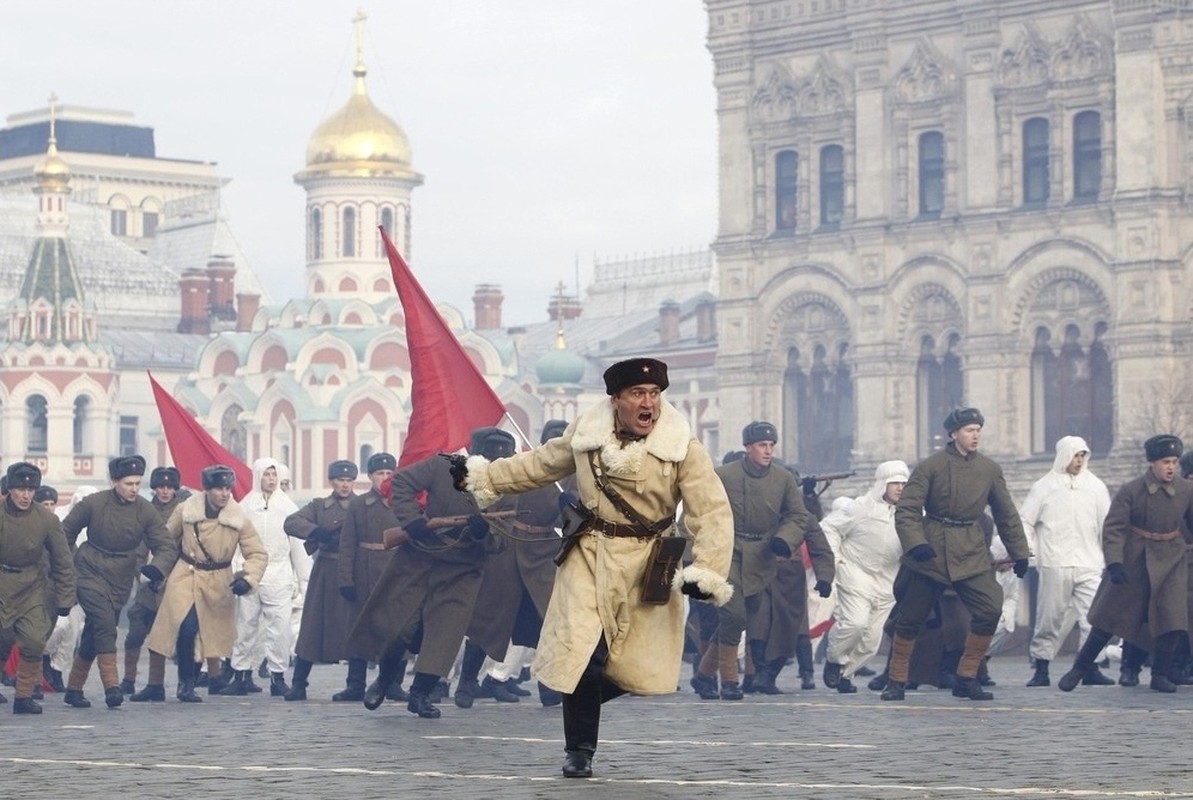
{"type": "Point", "coordinates": [548, 132]}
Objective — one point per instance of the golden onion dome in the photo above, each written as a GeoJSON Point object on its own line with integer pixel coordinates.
{"type": "Point", "coordinates": [358, 132]}
{"type": "Point", "coordinates": [52, 172]}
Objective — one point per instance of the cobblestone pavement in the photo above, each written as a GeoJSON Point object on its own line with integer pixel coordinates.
{"type": "Point", "coordinates": [1107, 742]}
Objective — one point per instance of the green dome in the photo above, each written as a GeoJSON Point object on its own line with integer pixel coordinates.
{"type": "Point", "coordinates": [560, 366]}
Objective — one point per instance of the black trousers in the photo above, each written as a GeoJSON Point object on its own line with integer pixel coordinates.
{"type": "Point", "coordinates": [582, 708]}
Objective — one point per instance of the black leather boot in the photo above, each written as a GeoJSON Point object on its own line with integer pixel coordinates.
{"type": "Point", "coordinates": [548, 696]}
{"type": "Point", "coordinates": [277, 685]}
{"type": "Point", "coordinates": [238, 686]}
{"type": "Point", "coordinates": [187, 670]}
{"type": "Point", "coordinates": [1040, 678]}
{"type": "Point", "coordinates": [832, 674]}
{"type": "Point", "coordinates": [387, 673]}
{"type": "Point", "coordinates": [1084, 663]}
{"type": "Point", "coordinates": [150, 693]}
{"type": "Point", "coordinates": [420, 703]}
{"type": "Point", "coordinates": [581, 727]}
{"type": "Point", "coordinates": [396, 693]}
{"type": "Point", "coordinates": [75, 699]}
{"type": "Point", "coordinates": [26, 705]}
{"type": "Point", "coordinates": [970, 689]}
{"type": "Point", "coordinates": [803, 657]}
{"type": "Point", "coordinates": [354, 685]}
{"type": "Point", "coordinates": [894, 690]}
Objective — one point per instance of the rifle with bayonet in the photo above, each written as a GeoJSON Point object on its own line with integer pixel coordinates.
{"type": "Point", "coordinates": [393, 537]}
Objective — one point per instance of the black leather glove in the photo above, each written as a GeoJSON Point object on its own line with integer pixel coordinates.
{"type": "Point", "coordinates": [478, 527]}
{"type": "Point", "coordinates": [692, 590]}
{"type": "Point", "coordinates": [922, 552]}
{"type": "Point", "coordinates": [780, 548]}
{"type": "Point", "coordinates": [824, 588]}
{"type": "Point", "coordinates": [421, 532]}
{"type": "Point", "coordinates": [63, 611]}
{"type": "Point", "coordinates": [1116, 573]}
{"type": "Point", "coordinates": [1020, 567]}
{"type": "Point", "coordinates": [808, 485]}
{"type": "Point", "coordinates": [348, 593]}
{"type": "Point", "coordinates": [320, 535]}
{"type": "Point", "coordinates": [155, 576]}
{"type": "Point", "coordinates": [241, 586]}
{"type": "Point", "coordinates": [458, 470]}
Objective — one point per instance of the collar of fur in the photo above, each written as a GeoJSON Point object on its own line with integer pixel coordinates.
{"type": "Point", "coordinates": [194, 509]}
{"type": "Point", "coordinates": [668, 441]}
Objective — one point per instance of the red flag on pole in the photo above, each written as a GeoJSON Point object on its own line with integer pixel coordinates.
{"type": "Point", "coordinates": [192, 447]}
{"type": "Point", "coordinates": [449, 398]}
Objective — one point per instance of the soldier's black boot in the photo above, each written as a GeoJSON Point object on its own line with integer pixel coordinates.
{"type": "Point", "coordinates": [298, 680]}
{"type": "Point", "coordinates": [277, 685]}
{"type": "Point", "coordinates": [1040, 678]}
{"type": "Point", "coordinates": [895, 690]}
{"type": "Point", "coordinates": [1084, 662]}
{"type": "Point", "coordinates": [387, 673]}
{"type": "Point", "coordinates": [354, 685]}
{"type": "Point", "coordinates": [803, 657]}
{"type": "Point", "coordinates": [832, 674]}
{"type": "Point", "coordinates": [970, 689]}
{"type": "Point", "coordinates": [187, 670]}
{"type": "Point", "coordinates": [396, 693]}
{"type": "Point", "coordinates": [581, 726]}
{"type": "Point", "coordinates": [238, 685]}
{"type": "Point", "coordinates": [25, 705]}
{"type": "Point", "coordinates": [470, 667]}
{"type": "Point", "coordinates": [420, 696]}
{"type": "Point", "coordinates": [250, 687]}
{"type": "Point", "coordinates": [548, 696]}
{"type": "Point", "coordinates": [1133, 658]}
{"type": "Point", "coordinates": [1162, 660]}
{"type": "Point", "coordinates": [52, 676]}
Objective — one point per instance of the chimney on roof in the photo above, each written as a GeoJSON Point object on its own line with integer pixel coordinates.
{"type": "Point", "coordinates": [193, 287]}
{"type": "Point", "coordinates": [668, 323]}
{"type": "Point", "coordinates": [486, 304]}
{"type": "Point", "coordinates": [221, 274]}
{"type": "Point", "coordinates": [246, 308]}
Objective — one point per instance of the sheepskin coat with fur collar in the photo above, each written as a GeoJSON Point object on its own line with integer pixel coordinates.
{"type": "Point", "coordinates": [598, 588]}
{"type": "Point", "coordinates": [209, 591]}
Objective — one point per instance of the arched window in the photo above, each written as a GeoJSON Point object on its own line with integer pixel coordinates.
{"type": "Point", "coordinates": [832, 186]}
{"type": "Point", "coordinates": [931, 174]}
{"type": "Point", "coordinates": [366, 452]}
{"type": "Point", "coordinates": [36, 432]}
{"type": "Point", "coordinates": [818, 410]}
{"type": "Point", "coordinates": [1087, 157]}
{"type": "Point", "coordinates": [232, 433]}
{"type": "Point", "coordinates": [1071, 390]}
{"type": "Point", "coordinates": [786, 186]}
{"type": "Point", "coordinates": [939, 389]}
{"type": "Point", "coordinates": [82, 408]}
{"type": "Point", "coordinates": [1035, 162]}
{"type": "Point", "coordinates": [387, 224]}
{"type": "Point", "coordinates": [316, 234]}
{"type": "Point", "coordinates": [349, 233]}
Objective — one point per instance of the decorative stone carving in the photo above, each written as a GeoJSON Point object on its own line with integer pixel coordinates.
{"type": "Point", "coordinates": [927, 76]}
{"type": "Point", "coordinates": [1028, 64]}
{"type": "Point", "coordinates": [1082, 54]}
{"type": "Point", "coordinates": [777, 99]}
{"type": "Point", "coordinates": [824, 93]}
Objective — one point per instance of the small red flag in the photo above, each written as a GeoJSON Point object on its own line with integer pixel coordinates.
{"type": "Point", "coordinates": [192, 447]}
{"type": "Point", "coordinates": [449, 398]}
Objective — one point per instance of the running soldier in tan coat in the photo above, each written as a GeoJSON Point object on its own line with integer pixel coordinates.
{"type": "Point", "coordinates": [601, 639]}
{"type": "Point", "coordinates": [29, 535]}
{"type": "Point", "coordinates": [199, 604]}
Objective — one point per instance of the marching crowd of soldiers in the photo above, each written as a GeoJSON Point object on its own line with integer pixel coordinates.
{"type": "Point", "coordinates": [457, 565]}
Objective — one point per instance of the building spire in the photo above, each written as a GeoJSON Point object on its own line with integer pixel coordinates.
{"type": "Point", "coordinates": [359, 70]}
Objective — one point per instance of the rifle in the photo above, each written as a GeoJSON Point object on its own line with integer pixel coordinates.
{"type": "Point", "coordinates": [393, 537]}
{"type": "Point", "coordinates": [808, 484]}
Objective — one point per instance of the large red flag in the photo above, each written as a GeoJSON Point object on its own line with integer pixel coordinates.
{"type": "Point", "coordinates": [192, 447]}
{"type": "Point", "coordinates": [449, 398]}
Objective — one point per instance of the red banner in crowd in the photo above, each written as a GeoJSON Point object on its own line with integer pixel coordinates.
{"type": "Point", "coordinates": [449, 398]}
{"type": "Point", "coordinates": [192, 447]}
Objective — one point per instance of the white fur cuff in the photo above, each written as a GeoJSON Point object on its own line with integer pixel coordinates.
{"type": "Point", "coordinates": [479, 483]}
{"type": "Point", "coordinates": [707, 581]}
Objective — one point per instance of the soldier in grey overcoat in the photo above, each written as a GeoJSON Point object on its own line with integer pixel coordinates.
{"type": "Point", "coordinates": [326, 615]}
